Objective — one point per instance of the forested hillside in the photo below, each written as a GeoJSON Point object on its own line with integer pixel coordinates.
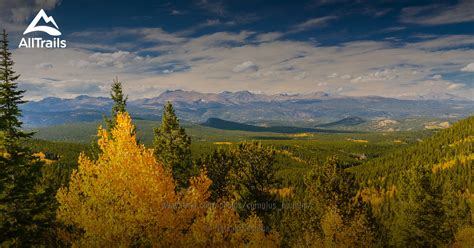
{"type": "Point", "coordinates": [423, 195]}
{"type": "Point", "coordinates": [449, 150]}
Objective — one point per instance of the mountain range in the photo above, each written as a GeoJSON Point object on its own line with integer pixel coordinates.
{"type": "Point", "coordinates": [245, 107]}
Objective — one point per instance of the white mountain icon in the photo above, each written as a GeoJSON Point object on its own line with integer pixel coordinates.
{"type": "Point", "coordinates": [49, 30]}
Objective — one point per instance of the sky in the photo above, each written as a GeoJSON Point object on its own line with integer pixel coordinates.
{"type": "Point", "coordinates": [403, 49]}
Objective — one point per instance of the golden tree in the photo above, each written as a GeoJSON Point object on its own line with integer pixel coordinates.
{"type": "Point", "coordinates": [126, 198]}
{"type": "Point", "coordinates": [336, 233]}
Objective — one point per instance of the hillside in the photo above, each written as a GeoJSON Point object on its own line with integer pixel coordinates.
{"type": "Point", "coordinates": [347, 121]}
{"type": "Point", "coordinates": [231, 125]}
{"type": "Point", "coordinates": [451, 148]}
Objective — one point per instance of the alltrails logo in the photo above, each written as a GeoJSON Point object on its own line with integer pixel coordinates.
{"type": "Point", "coordinates": [40, 42]}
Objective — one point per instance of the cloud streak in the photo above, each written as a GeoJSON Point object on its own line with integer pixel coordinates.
{"type": "Point", "coordinates": [438, 14]}
{"type": "Point", "coordinates": [468, 68]}
{"type": "Point", "coordinates": [313, 23]}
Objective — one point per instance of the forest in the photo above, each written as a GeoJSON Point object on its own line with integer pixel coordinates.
{"type": "Point", "coordinates": [171, 191]}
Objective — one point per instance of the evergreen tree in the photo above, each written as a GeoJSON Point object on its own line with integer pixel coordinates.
{"type": "Point", "coordinates": [218, 166]}
{"type": "Point", "coordinates": [172, 147]}
{"type": "Point", "coordinates": [253, 176]}
{"type": "Point", "coordinates": [330, 185]}
{"type": "Point", "coordinates": [20, 206]}
{"type": "Point", "coordinates": [10, 97]}
{"type": "Point", "coordinates": [120, 103]}
{"type": "Point", "coordinates": [334, 216]}
{"type": "Point", "coordinates": [420, 219]}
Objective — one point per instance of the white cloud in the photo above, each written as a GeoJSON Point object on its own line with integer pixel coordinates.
{"type": "Point", "coordinates": [176, 12]}
{"type": "Point", "coordinates": [313, 23]}
{"type": "Point", "coordinates": [92, 38]}
{"type": "Point", "coordinates": [44, 66]}
{"type": "Point", "coordinates": [219, 39]}
{"type": "Point", "coordinates": [443, 42]}
{"type": "Point", "coordinates": [36, 89]}
{"type": "Point", "coordinates": [14, 14]}
{"type": "Point", "coordinates": [271, 36]}
{"type": "Point", "coordinates": [300, 76]}
{"type": "Point", "coordinates": [392, 29]}
{"type": "Point", "coordinates": [247, 66]}
{"type": "Point", "coordinates": [19, 11]}
{"type": "Point", "coordinates": [118, 59]}
{"type": "Point", "coordinates": [468, 68]}
{"type": "Point", "coordinates": [333, 75]}
{"type": "Point", "coordinates": [215, 7]}
{"type": "Point", "coordinates": [206, 24]}
{"type": "Point", "coordinates": [346, 77]}
{"type": "Point", "coordinates": [382, 75]}
{"type": "Point", "coordinates": [454, 86]}
{"type": "Point", "coordinates": [438, 14]}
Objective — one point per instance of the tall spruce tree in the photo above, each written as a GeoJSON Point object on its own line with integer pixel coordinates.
{"type": "Point", "coordinates": [253, 172]}
{"type": "Point", "coordinates": [20, 224]}
{"type": "Point", "coordinates": [10, 97]}
{"type": "Point", "coordinates": [218, 166]}
{"type": "Point", "coordinates": [420, 218]}
{"type": "Point", "coordinates": [119, 106]}
{"type": "Point", "coordinates": [172, 147]}
{"type": "Point", "coordinates": [120, 102]}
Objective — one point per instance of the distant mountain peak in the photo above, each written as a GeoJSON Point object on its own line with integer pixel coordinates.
{"type": "Point", "coordinates": [244, 92]}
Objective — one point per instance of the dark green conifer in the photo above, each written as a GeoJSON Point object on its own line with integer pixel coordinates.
{"type": "Point", "coordinates": [420, 220]}
{"type": "Point", "coordinates": [10, 97]}
{"type": "Point", "coordinates": [172, 146]}
{"type": "Point", "coordinates": [253, 176]}
{"type": "Point", "coordinates": [20, 204]}
{"type": "Point", "coordinates": [120, 102]}
{"type": "Point", "coordinates": [218, 166]}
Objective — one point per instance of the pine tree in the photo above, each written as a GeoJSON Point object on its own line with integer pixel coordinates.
{"type": "Point", "coordinates": [10, 97]}
{"type": "Point", "coordinates": [19, 171]}
{"type": "Point", "coordinates": [218, 166]}
{"type": "Point", "coordinates": [120, 103]}
{"type": "Point", "coordinates": [254, 173]}
{"type": "Point", "coordinates": [420, 219]}
{"type": "Point", "coordinates": [172, 147]}
{"type": "Point", "coordinates": [330, 185]}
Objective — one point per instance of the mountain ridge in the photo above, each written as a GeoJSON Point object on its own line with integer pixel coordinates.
{"type": "Point", "coordinates": [245, 106]}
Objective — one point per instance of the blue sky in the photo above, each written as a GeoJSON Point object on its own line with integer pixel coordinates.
{"type": "Point", "coordinates": [404, 49]}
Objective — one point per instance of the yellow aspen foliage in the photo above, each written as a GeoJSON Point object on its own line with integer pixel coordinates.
{"type": "Point", "coordinates": [464, 237]}
{"type": "Point", "coordinates": [463, 159]}
{"type": "Point", "coordinates": [125, 198]}
{"type": "Point", "coordinates": [339, 234]}
{"type": "Point", "coordinates": [3, 150]}
{"type": "Point", "coordinates": [42, 157]}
